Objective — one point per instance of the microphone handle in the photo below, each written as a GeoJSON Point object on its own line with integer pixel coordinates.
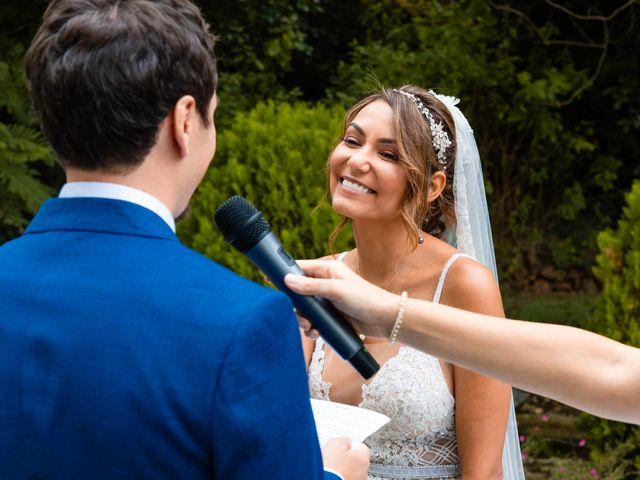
{"type": "Point", "coordinates": [324, 316]}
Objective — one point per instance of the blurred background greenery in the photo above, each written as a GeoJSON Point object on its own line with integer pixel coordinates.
{"type": "Point", "coordinates": [550, 88]}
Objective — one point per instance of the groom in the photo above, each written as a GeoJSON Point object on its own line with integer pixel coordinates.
{"type": "Point", "coordinates": [123, 354]}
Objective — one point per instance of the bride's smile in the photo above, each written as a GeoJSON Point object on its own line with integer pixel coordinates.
{"type": "Point", "coordinates": [354, 186]}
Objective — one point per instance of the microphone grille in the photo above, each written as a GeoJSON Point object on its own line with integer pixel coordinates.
{"type": "Point", "coordinates": [242, 225]}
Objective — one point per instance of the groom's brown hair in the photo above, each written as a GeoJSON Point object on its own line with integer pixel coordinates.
{"type": "Point", "coordinates": [103, 74]}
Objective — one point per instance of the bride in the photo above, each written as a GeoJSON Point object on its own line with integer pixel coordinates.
{"type": "Point", "coordinates": [407, 174]}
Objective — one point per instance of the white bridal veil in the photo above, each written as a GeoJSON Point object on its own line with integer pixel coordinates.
{"type": "Point", "coordinates": [472, 236]}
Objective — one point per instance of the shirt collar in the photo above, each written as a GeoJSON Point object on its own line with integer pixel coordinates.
{"type": "Point", "coordinates": [116, 191]}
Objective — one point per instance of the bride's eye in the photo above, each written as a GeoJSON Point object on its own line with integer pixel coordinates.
{"type": "Point", "coordinates": [390, 156]}
{"type": "Point", "coordinates": [349, 140]}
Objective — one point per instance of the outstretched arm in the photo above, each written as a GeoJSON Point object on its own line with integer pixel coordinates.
{"type": "Point", "coordinates": [576, 367]}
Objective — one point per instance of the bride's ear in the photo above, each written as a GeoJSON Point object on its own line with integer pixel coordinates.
{"type": "Point", "coordinates": [436, 185]}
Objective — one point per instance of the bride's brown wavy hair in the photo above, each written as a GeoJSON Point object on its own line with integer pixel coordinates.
{"type": "Point", "coordinates": [418, 157]}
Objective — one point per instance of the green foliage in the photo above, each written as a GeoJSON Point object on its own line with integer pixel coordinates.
{"type": "Point", "coordinates": [425, 42]}
{"type": "Point", "coordinates": [613, 464]}
{"type": "Point", "coordinates": [618, 267]}
{"type": "Point", "coordinates": [275, 156]}
{"type": "Point", "coordinates": [573, 309]}
{"type": "Point", "coordinates": [618, 310]}
{"type": "Point", "coordinates": [258, 42]}
{"type": "Point", "coordinates": [555, 447]}
{"type": "Point", "coordinates": [23, 152]}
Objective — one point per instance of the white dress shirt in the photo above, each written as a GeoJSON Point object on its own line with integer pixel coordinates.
{"type": "Point", "coordinates": [116, 191]}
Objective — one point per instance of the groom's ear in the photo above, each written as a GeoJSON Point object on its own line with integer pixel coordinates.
{"type": "Point", "coordinates": [184, 116]}
{"type": "Point", "coordinates": [436, 185]}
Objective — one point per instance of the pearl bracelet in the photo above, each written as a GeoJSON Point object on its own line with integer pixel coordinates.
{"type": "Point", "coordinates": [399, 317]}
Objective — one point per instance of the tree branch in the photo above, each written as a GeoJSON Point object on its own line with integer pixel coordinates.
{"type": "Point", "coordinates": [589, 82]}
{"type": "Point", "coordinates": [604, 46]}
{"type": "Point", "coordinates": [592, 17]}
{"type": "Point", "coordinates": [632, 24]}
{"type": "Point", "coordinates": [521, 15]}
{"type": "Point", "coordinates": [571, 43]}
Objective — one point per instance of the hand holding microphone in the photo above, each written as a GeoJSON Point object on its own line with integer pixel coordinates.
{"type": "Point", "coordinates": [369, 308]}
{"type": "Point", "coordinates": [244, 227]}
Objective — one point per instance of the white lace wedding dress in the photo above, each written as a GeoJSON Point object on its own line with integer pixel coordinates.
{"type": "Point", "coordinates": [420, 440]}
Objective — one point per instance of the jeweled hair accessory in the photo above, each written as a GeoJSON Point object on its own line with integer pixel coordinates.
{"type": "Point", "coordinates": [439, 137]}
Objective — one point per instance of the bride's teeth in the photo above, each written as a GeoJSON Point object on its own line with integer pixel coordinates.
{"type": "Point", "coordinates": [355, 186]}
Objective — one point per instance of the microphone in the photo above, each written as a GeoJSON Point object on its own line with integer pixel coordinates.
{"type": "Point", "coordinates": [246, 229]}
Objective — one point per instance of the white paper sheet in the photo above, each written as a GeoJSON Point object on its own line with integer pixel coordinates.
{"type": "Point", "coordinates": [341, 420]}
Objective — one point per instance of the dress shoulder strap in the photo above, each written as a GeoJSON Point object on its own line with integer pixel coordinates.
{"type": "Point", "coordinates": [443, 275]}
{"type": "Point", "coordinates": [341, 256]}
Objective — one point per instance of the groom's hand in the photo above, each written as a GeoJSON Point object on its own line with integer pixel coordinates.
{"type": "Point", "coordinates": [350, 461]}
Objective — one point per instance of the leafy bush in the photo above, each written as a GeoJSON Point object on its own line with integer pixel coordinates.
{"type": "Point", "coordinates": [573, 309]}
{"type": "Point", "coordinates": [611, 465]}
{"type": "Point", "coordinates": [618, 311]}
{"type": "Point", "coordinates": [24, 154]}
{"type": "Point", "coordinates": [259, 43]}
{"type": "Point", "coordinates": [555, 449]}
{"type": "Point", "coordinates": [275, 156]}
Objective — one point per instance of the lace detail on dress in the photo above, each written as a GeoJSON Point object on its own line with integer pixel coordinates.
{"type": "Point", "coordinates": [318, 387]}
{"type": "Point", "coordinates": [412, 392]}
{"type": "Point", "coordinates": [420, 440]}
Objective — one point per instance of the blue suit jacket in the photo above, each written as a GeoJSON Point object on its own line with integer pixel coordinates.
{"type": "Point", "coordinates": [123, 354]}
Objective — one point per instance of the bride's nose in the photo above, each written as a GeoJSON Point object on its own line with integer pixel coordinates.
{"type": "Point", "coordinates": [360, 162]}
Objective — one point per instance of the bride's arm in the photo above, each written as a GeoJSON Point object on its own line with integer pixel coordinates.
{"type": "Point", "coordinates": [482, 403]}
{"type": "Point", "coordinates": [576, 367]}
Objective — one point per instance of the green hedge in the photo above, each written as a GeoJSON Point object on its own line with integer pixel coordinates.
{"type": "Point", "coordinates": [618, 313]}
{"type": "Point", "coordinates": [24, 154]}
{"type": "Point", "coordinates": [275, 156]}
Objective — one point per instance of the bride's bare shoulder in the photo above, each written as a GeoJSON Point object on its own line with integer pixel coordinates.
{"type": "Point", "coordinates": [472, 286]}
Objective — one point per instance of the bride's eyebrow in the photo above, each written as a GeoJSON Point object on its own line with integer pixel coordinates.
{"type": "Point", "coordinates": [389, 141]}
{"type": "Point", "coordinates": [357, 127]}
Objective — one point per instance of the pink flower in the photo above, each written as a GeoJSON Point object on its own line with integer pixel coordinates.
{"type": "Point", "coordinates": [563, 469]}
{"type": "Point", "coordinates": [522, 438]}
{"type": "Point", "coordinates": [594, 472]}
{"type": "Point", "coordinates": [545, 418]}
{"type": "Point", "coordinates": [536, 428]}
{"type": "Point", "coordinates": [524, 456]}
{"type": "Point", "coordinates": [582, 442]}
